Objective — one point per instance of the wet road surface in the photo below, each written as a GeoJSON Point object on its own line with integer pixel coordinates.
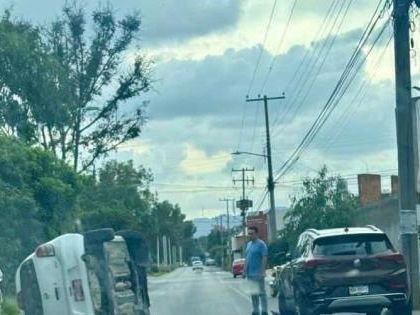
{"type": "Point", "coordinates": [211, 292]}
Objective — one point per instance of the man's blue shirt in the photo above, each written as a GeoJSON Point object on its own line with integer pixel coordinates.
{"type": "Point", "coordinates": [255, 251]}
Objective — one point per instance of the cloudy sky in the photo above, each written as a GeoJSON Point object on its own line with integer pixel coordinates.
{"type": "Point", "coordinates": [205, 54]}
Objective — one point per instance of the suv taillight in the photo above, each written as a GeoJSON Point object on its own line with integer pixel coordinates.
{"type": "Point", "coordinates": [397, 257]}
{"type": "Point", "coordinates": [46, 250]}
{"type": "Point", "coordinates": [314, 262]}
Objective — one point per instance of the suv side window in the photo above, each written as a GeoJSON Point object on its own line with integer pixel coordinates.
{"type": "Point", "coordinates": [307, 247]}
{"type": "Point", "coordinates": [300, 248]}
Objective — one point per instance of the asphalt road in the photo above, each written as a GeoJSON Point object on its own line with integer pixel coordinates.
{"type": "Point", "coordinates": [212, 292]}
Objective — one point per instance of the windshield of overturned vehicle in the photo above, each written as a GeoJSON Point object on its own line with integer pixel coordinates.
{"type": "Point", "coordinates": [200, 157]}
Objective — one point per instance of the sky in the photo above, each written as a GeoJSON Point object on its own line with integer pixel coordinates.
{"type": "Point", "coordinates": [205, 56]}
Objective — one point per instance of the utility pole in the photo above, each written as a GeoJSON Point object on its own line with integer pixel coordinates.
{"type": "Point", "coordinates": [229, 247]}
{"type": "Point", "coordinates": [227, 200]}
{"type": "Point", "coordinates": [244, 204]}
{"type": "Point", "coordinates": [169, 251]}
{"type": "Point", "coordinates": [222, 239]}
{"type": "Point", "coordinates": [405, 142]}
{"type": "Point", "coordinates": [165, 250]}
{"type": "Point", "coordinates": [174, 255]}
{"type": "Point", "coordinates": [158, 251]}
{"type": "Point", "coordinates": [270, 179]}
{"type": "Point", "coordinates": [233, 206]}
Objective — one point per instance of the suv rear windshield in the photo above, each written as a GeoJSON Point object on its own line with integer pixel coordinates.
{"type": "Point", "coordinates": [357, 244]}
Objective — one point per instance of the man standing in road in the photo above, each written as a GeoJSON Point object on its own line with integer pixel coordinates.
{"type": "Point", "coordinates": [254, 271]}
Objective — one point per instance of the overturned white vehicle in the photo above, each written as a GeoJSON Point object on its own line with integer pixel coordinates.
{"type": "Point", "coordinates": [96, 273]}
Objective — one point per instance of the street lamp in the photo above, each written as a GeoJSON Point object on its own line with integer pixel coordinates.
{"type": "Point", "coordinates": [249, 153]}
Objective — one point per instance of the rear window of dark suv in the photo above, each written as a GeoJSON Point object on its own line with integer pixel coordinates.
{"type": "Point", "coordinates": [350, 245]}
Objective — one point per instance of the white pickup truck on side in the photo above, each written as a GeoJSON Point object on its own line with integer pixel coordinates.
{"type": "Point", "coordinates": [96, 273]}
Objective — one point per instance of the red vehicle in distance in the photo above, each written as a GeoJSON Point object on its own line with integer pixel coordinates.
{"type": "Point", "coordinates": [238, 267]}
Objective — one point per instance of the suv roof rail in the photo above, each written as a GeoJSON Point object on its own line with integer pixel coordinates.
{"type": "Point", "coordinates": [313, 231]}
{"type": "Point", "coordinates": [373, 228]}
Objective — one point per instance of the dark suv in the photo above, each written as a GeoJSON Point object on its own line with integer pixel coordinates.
{"type": "Point", "coordinates": [344, 270]}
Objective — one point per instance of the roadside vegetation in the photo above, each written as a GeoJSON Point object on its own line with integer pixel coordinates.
{"type": "Point", "coordinates": [9, 307]}
{"type": "Point", "coordinates": [71, 92]}
{"type": "Point", "coordinates": [323, 202]}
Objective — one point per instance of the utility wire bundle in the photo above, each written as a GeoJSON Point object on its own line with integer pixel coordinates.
{"type": "Point", "coordinates": [353, 66]}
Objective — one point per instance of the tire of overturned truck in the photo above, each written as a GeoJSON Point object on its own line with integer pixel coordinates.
{"type": "Point", "coordinates": [99, 236]}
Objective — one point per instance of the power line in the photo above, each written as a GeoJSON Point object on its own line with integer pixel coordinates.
{"type": "Point", "coordinates": [337, 92]}
{"type": "Point", "coordinates": [303, 63]}
{"type": "Point", "coordinates": [317, 71]}
{"type": "Point", "coordinates": [279, 46]}
{"type": "Point", "coordinates": [264, 197]}
{"type": "Point", "coordinates": [309, 76]}
{"type": "Point", "coordinates": [317, 36]}
{"type": "Point", "coordinates": [254, 73]}
{"type": "Point", "coordinates": [345, 118]}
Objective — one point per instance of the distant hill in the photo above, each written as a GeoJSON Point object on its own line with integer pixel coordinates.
{"type": "Point", "coordinates": [205, 225]}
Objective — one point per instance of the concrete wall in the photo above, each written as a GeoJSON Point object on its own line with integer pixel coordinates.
{"type": "Point", "coordinates": [384, 214]}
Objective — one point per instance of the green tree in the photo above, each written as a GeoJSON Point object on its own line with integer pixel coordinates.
{"type": "Point", "coordinates": [216, 243]}
{"type": "Point", "coordinates": [64, 86]}
{"type": "Point", "coordinates": [119, 199]}
{"type": "Point", "coordinates": [325, 202]}
{"type": "Point", "coordinates": [38, 201]}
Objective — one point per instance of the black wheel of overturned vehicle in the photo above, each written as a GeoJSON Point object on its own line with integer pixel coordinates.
{"type": "Point", "coordinates": [99, 236]}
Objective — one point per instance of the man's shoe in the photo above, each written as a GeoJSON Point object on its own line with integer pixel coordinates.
{"type": "Point", "coordinates": [264, 313]}
{"type": "Point", "coordinates": [255, 313]}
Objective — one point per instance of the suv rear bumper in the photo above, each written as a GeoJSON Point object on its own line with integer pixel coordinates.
{"type": "Point", "coordinates": [359, 303]}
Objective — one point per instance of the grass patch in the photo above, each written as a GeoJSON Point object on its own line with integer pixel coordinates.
{"type": "Point", "coordinates": [157, 274]}
{"type": "Point", "coordinates": [9, 307]}
{"type": "Point", "coordinates": [162, 270]}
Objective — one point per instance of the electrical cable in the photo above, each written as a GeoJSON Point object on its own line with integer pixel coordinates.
{"type": "Point", "coordinates": [336, 95]}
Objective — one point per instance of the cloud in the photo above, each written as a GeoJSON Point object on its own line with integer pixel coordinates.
{"type": "Point", "coordinates": [206, 51]}
{"type": "Point", "coordinates": [162, 20]}
{"type": "Point", "coordinates": [202, 101]}
{"type": "Point", "coordinates": [216, 86]}
{"type": "Point", "coordinates": [198, 162]}
{"type": "Point", "coordinates": [171, 20]}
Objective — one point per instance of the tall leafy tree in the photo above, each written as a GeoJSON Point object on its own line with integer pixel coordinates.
{"type": "Point", "coordinates": [69, 87]}
{"type": "Point", "coordinates": [119, 198]}
{"type": "Point", "coordinates": [38, 201]}
{"type": "Point", "coordinates": [324, 202]}
{"type": "Point", "coordinates": [216, 243]}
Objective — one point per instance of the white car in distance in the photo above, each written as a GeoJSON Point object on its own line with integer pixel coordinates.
{"type": "Point", "coordinates": [197, 265]}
